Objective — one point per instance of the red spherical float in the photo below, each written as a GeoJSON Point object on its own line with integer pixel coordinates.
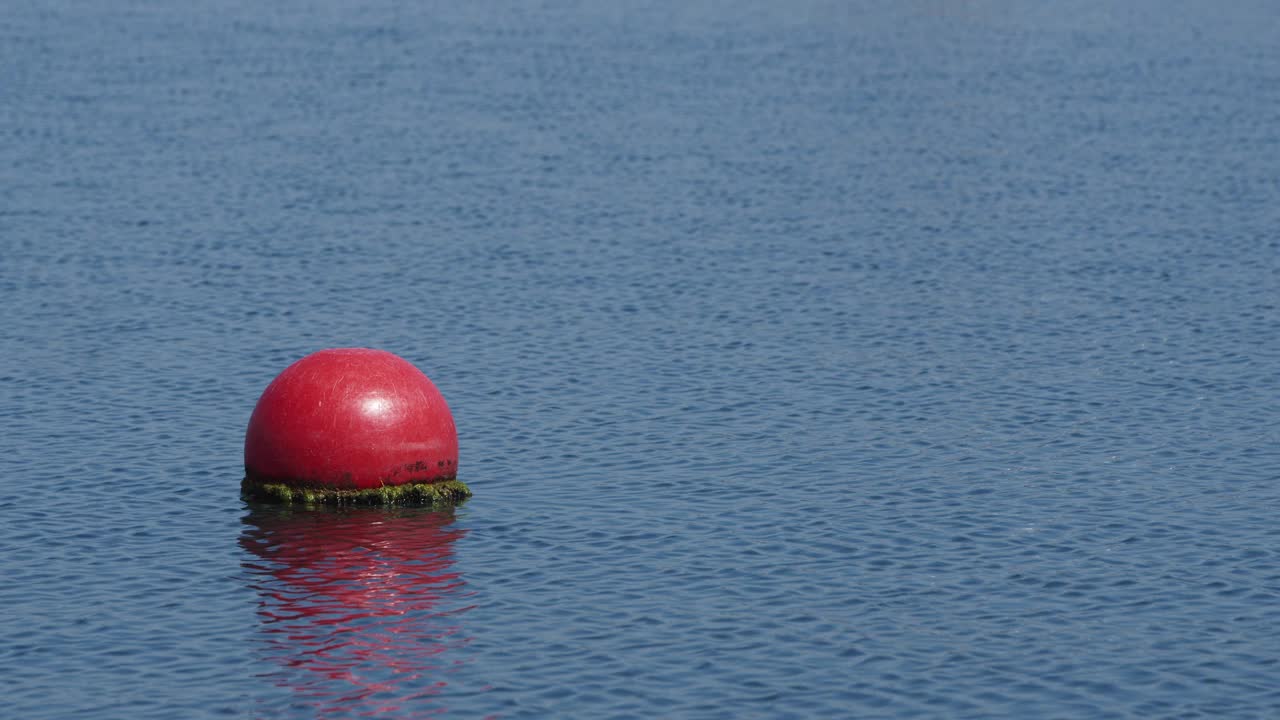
{"type": "Point", "coordinates": [352, 424]}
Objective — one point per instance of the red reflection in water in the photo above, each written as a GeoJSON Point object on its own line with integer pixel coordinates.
{"type": "Point", "coordinates": [359, 607]}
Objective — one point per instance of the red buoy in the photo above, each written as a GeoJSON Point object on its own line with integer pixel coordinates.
{"type": "Point", "coordinates": [341, 422]}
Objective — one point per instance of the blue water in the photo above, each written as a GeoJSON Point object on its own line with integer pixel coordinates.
{"type": "Point", "coordinates": [809, 359]}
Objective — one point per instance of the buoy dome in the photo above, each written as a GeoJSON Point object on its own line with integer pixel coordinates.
{"type": "Point", "coordinates": [350, 419]}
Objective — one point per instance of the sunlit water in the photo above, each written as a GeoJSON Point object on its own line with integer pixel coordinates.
{"type": "Point", "coordinates": [809, 360]}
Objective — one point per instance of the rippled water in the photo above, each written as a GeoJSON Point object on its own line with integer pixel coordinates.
{"type": "Point", "coordinates": [353, 605]}
{"type": "Point", "coordinates": [809, 359]}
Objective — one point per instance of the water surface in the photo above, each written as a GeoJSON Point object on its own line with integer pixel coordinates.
{"type": "Point", "coordinates": [809, 360]}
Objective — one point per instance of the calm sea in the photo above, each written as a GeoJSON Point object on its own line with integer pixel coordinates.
{"type": "Point", "coordinates": [810, 359]}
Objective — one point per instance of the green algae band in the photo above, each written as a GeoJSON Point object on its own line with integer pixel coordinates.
{"type": "Point", "coordinates": [352, 425]}
{"type": "Point", "coordinates": [446, 492]}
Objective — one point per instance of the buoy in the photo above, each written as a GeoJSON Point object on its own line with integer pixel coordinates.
{"type": "Point", "coordinates": [352, 425]}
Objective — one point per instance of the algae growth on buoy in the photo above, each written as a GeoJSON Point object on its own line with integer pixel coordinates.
{"type": "Point", "coordinates": [352, 425]}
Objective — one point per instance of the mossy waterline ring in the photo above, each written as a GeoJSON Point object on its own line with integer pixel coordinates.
{"type": "Point", "coordinates": [445, 492]}
{"type": "Point", "coordinates": [352, 425]}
